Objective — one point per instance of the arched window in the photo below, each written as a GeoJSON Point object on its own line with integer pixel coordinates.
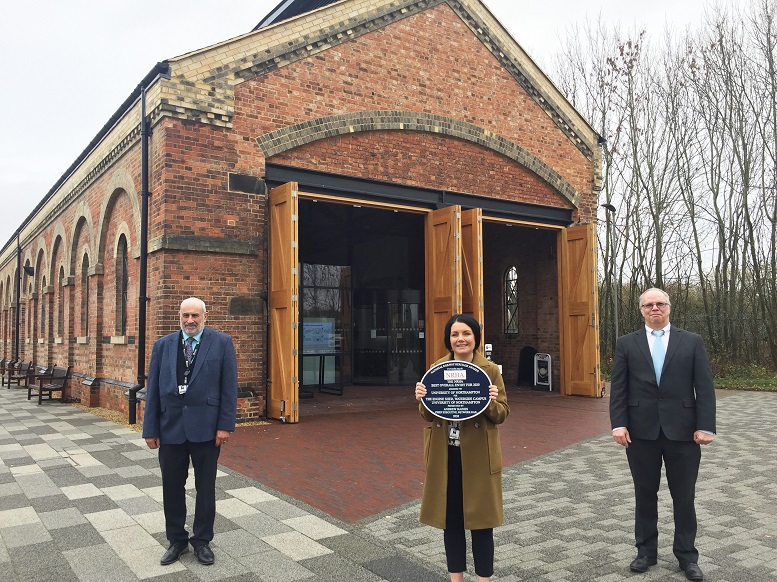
{"type": "Point", "coordinates": [85, 296]}
{"type": "Point", "coordinates": [43, 299]}
{"type": "Point", "coordinates": [61, 303]}
{"type": "Point", "coordinates": [30, 333]}
{"type": "Point", "coordinates": [122, 284]}
{"type": "Point", "coordinates": [511, 300]}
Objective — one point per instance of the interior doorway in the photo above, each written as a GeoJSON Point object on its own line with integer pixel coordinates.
{"type": "Point", "coordinates": [388, 342]}
{"type": "Point", "coordinates": [361, 296]}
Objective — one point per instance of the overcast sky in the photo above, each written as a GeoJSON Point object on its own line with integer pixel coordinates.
{"type": "Point", "coordinates": [68, 65]}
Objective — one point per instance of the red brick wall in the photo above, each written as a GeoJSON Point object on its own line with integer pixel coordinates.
{"type": "Point", "coordinates": [406, 67]}
{"type": "Point", "coordinates": [197, 203]}
{"type": "Point", "coordinates": [425, 160]}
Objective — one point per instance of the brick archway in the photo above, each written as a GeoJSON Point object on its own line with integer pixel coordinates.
{"type": "Point", "coordinates": [276, 142]}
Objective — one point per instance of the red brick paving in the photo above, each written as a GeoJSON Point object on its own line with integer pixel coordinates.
{"type": "Point", "coordinates": [356, 455]}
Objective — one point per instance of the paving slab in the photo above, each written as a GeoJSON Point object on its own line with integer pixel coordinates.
{"type": "Point", "coordinates": [85, 503]}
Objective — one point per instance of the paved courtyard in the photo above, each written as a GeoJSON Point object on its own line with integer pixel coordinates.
{"type": "Point", "coordinates": [80, 499]}
{"type": "Point", "coordinates": [569, 514]}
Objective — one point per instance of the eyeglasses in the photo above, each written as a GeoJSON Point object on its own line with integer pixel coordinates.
{"type": "Point", "coordinates": [659, 304]}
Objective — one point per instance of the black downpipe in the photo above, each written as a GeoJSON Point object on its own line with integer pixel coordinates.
{"type": "Point", "coordinates": [266, 243]}
{"type": "Point", "coordinates": [142, 283]}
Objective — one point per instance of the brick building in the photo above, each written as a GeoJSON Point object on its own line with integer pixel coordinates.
{"type": "Point", "coordinates": [334, 184]}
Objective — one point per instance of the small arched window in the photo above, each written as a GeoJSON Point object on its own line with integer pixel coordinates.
{"type": "Point", "coordinates": [85, 296]}
{"type": "Point", "coordinates": [511, 300]}
{"type": "Point", "coordinates": [61, 303]}
{"type": "Point", "coordinates": [122, 284]}
{"type": "Point", "coordinates": [43, 299]}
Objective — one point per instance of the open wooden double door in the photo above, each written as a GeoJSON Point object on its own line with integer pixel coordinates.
{"type": "Point", "coordinates": [454, 284]}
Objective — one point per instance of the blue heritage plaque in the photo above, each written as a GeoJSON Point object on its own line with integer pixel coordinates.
{"type": "Point", "coordinates": [456, 390]}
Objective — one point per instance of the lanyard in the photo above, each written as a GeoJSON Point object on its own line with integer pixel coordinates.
{"type": "Point", "coordinates": [189, 365]}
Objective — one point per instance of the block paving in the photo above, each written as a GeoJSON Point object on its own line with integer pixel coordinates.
{"type": "Point", "coordinates": [80, 500]}
{"type": "Point", "coordinates": [569, 514]}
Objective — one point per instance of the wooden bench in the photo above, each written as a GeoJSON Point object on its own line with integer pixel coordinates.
{"type": "Point", "coordinates": [18, 373]}
{"type": "Point", "coordinates": [39, 373]}
{"type": "Point", "coordinates": [7, 370]}
{"type": "Point", "coordinates": [48, 385]}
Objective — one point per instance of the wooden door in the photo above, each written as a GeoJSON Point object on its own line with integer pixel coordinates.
{"type": "Point", "coordinates": [283, 393]}
{"type": "Point", "coordinates": [443, 276]}
{"type": "Point", "coordinates": [472, 267]}
{"type": "Point", "coordinates": [579, 316]}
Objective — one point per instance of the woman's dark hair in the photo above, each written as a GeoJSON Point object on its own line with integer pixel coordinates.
{"type": "Point", "coordinates": [467, 320]}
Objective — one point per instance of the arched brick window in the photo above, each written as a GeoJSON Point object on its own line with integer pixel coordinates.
{"type": "Point", "coordinates": [42, 321]}
{"type": "Point", "coordinates": [511, 300]}
{"type": "Point", "coordinates": [30, 332]}
{"type": "Point", "coordinates": [122, 284]}
{"type": "Point", "coordinates": [61, 303]}
{"type": "Point", "coordinates": [85, 296]}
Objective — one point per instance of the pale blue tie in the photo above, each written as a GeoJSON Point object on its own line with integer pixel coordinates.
{"type": "Point", "coordinates": [658, 353]}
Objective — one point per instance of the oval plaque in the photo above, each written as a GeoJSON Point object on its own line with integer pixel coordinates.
{"type": "Point", "coordinates": [456, 390]}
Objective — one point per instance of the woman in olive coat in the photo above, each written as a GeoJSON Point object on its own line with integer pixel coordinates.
{"type": "Point", "coordinates": [463, 485]}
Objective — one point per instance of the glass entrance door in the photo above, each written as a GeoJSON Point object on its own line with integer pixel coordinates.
{"type": "Point", "coordinates": [406, 348]}
{"type": "Point", "coordinates": [388, 347]}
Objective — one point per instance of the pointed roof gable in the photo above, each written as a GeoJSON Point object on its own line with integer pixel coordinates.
{"type": "Point", "coordinates": [317, 25]}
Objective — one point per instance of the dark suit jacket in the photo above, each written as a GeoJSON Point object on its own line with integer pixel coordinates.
{"type": "Point", "coordinates": [210, 403]}
{"type": "Point", "coordinates": [681, 405]}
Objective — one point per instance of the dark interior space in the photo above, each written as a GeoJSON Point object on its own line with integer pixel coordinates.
{"type": "Point", "coordinates": [530, 324]}
{"type": "Point", "coordinates": [361, 296]}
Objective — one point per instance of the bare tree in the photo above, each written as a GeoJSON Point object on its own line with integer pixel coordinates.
{"type": "Point", "coordinates": [690, 172]}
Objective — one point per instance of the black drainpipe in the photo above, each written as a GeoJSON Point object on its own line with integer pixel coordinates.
{"type": "Point", "coordinates": [266, 244]}
{"type": "Point", "coordinates": [142, 283]}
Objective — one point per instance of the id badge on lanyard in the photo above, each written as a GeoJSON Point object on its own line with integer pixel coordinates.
{"type": "Point", "coordinates": [189, 366]}
{"type": "Point", "coordinates": [454, 434]}
{"type": "Point", "coordinates": [183, 387]}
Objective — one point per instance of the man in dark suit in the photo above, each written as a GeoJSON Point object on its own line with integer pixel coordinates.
{"type": "Point", "coordinates": [662, 407]}
{"type": "Point", "coordinates": [191, 404]}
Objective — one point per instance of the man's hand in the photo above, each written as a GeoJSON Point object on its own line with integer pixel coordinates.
{"type": "Point", "coordinates": [703, 438]}
{"type": "Point", "coordinates": [622, 437]}
{"type": "Point", "coordinates": [153, 443]}
{"type": "Point", "coordinates": [222, 436]}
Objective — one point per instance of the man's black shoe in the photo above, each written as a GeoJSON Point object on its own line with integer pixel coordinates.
{"type": "Point", "coordinates": [642, 563]}
{"type": "Point", "coordinates": [204, 555]}
{"type": "Point", "coordinates": [692, 572]}
{"type": "Point", "coordinates": [174, 552]}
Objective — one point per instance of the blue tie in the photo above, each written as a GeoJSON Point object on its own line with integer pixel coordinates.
{"type": "Point", "coordinates": [658, 353]}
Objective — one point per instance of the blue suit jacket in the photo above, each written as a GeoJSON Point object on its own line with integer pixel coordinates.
{"type": "Point", "coordinates": [210, 403]}
{"type": "Point", "coordinates": [681, 405]}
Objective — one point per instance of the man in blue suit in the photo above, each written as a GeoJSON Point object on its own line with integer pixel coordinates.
{"type": "Point", "coordinates": [662, 407]}
{"type": "Point", "coordinates": [191, 404]}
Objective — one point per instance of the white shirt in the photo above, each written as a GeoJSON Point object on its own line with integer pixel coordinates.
{"type": "Point", "coordinates": [652, 339]}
